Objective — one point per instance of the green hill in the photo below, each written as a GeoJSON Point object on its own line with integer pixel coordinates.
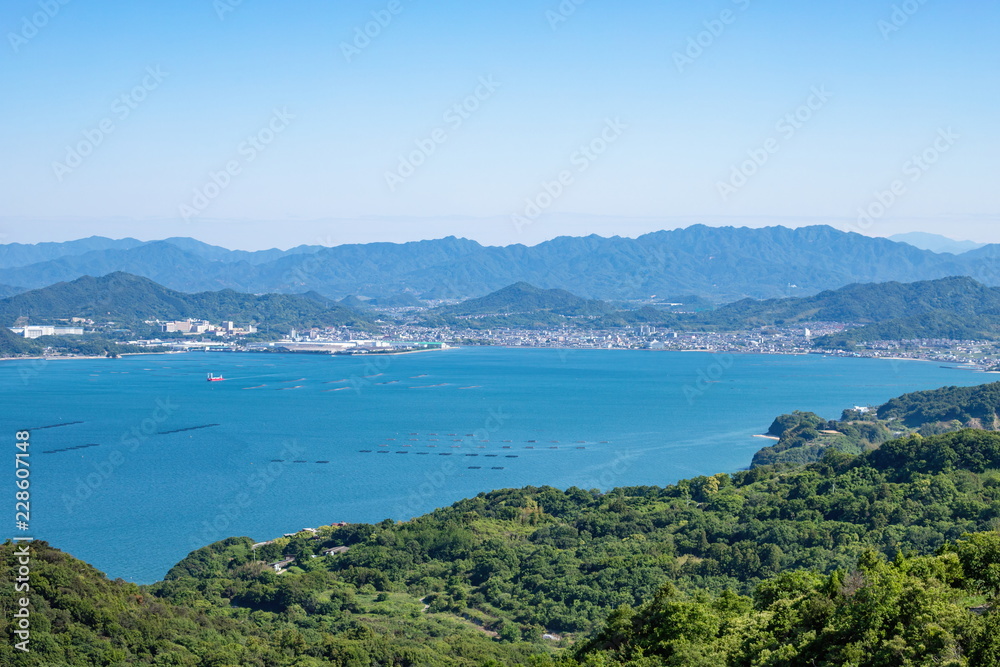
{"type": "Point", "coordinates": [80, 618]}
{"type": "Point", "coordinates": [868, 303]}
{"type": "Point", "coordinates": [977, 407]}
{"type": "Point", "coordinates": [525, 298]}
{"type": "Point", "coordinates": [519, 305]}
{"type": "Point", "coordinates": [125, 298]}
{"type": "Point", "coordinates": [804, 436]}
{"type": "Point", "coordinates": [12, 345]}
{"type": "Point", "coordinates": [956, 307]}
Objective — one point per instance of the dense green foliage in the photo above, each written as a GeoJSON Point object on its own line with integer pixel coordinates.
{"type": "Point", "coordinates": [78, 617]}
{"type": "Point", "coordinates": [804, 437]}
{"type": "Point", "coordinates": [967, 406]}
{"type": "Point", "coordinates": [12, 345]}
{"type": "Point", "coordinates": [128, 299]}
{"type": "Point", "coordinates": [92, 346]}
{"type": "Point", "coordinates": [912, 611]}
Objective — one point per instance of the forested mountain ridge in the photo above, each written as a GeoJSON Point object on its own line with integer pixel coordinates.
{"type": "Point", "coordinates": [8, 290]}
{"type": "Point", "coordinates": [723, 263]}
{"type": "Point", "coordinates": [121, 297]}
{"type": "Point", "coordinates": [13, 255]}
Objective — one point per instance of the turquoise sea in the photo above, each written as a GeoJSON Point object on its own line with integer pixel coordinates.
{"type": "Point", "coordinates": [144, 461]}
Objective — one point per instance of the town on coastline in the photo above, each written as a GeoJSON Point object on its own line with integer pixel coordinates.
{"type": "Point", "coordinates": [393, 338]}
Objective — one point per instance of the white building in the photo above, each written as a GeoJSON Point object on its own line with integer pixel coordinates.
{"type": "Point", "coordinates": [42, 330]}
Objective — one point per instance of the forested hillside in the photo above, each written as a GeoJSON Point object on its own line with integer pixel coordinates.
{"type": "Point", "coordinates": [803, 437]}
{"type": "Point", "coordinates": [12, 345]}
{"type": "Point", "coordinates": [977, 406]}
{"type": "Point", "coordinates": [124, 298]}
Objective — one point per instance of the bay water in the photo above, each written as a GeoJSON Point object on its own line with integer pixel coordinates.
{"type": "Point", "coordinates": [135, 462]}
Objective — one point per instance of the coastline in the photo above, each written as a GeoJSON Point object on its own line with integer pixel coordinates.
{"type": "Point", "coordinates": [524, 347]}
{"type": "Point", "coordinates": [82, 356]}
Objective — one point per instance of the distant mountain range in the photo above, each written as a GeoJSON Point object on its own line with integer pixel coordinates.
{"type": "Point", "coordinates": [955, 307]}
{"type": "Point", "coordinates": [13, 255]}
{"type": "Point", "coordinates": [935, 242]}
{"type": "Point", "coordinates": [122, 297]}
{"type": "Point", "coordinates": [720, 263]}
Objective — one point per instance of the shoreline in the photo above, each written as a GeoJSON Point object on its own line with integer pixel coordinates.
{"type": "Point", "coordinates": [957, 366]}
{"type": "Point", "coordinates": [82, 356]}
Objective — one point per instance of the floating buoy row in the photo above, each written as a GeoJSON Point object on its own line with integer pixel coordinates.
{"type": "Point", "coordinates": [67, 449]}
{"type": "Point", "coordinates": [470, 435]}
{"type": "Point", "coordinates": [189, 428]}
{"type": "Point", "coordinates": [39, 428]}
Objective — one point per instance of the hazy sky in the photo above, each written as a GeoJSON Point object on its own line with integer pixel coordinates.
{"type": "Point", "coordinates": [255, 124]}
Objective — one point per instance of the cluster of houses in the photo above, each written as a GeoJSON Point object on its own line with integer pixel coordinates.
{"type": "Point", "coordinates": [281, 565]}
{"type": "Point", "coordinates": [194, 327]}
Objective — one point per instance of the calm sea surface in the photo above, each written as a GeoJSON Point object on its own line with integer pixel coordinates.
{"type": "Point", "coordinates": [162, 462]}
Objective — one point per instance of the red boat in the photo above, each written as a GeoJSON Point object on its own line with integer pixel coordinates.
{"type": "Point", "coordinates": [212, 378]}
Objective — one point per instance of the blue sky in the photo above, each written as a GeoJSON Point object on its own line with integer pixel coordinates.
{"type": "Point", "coordinates": [645, 128]}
